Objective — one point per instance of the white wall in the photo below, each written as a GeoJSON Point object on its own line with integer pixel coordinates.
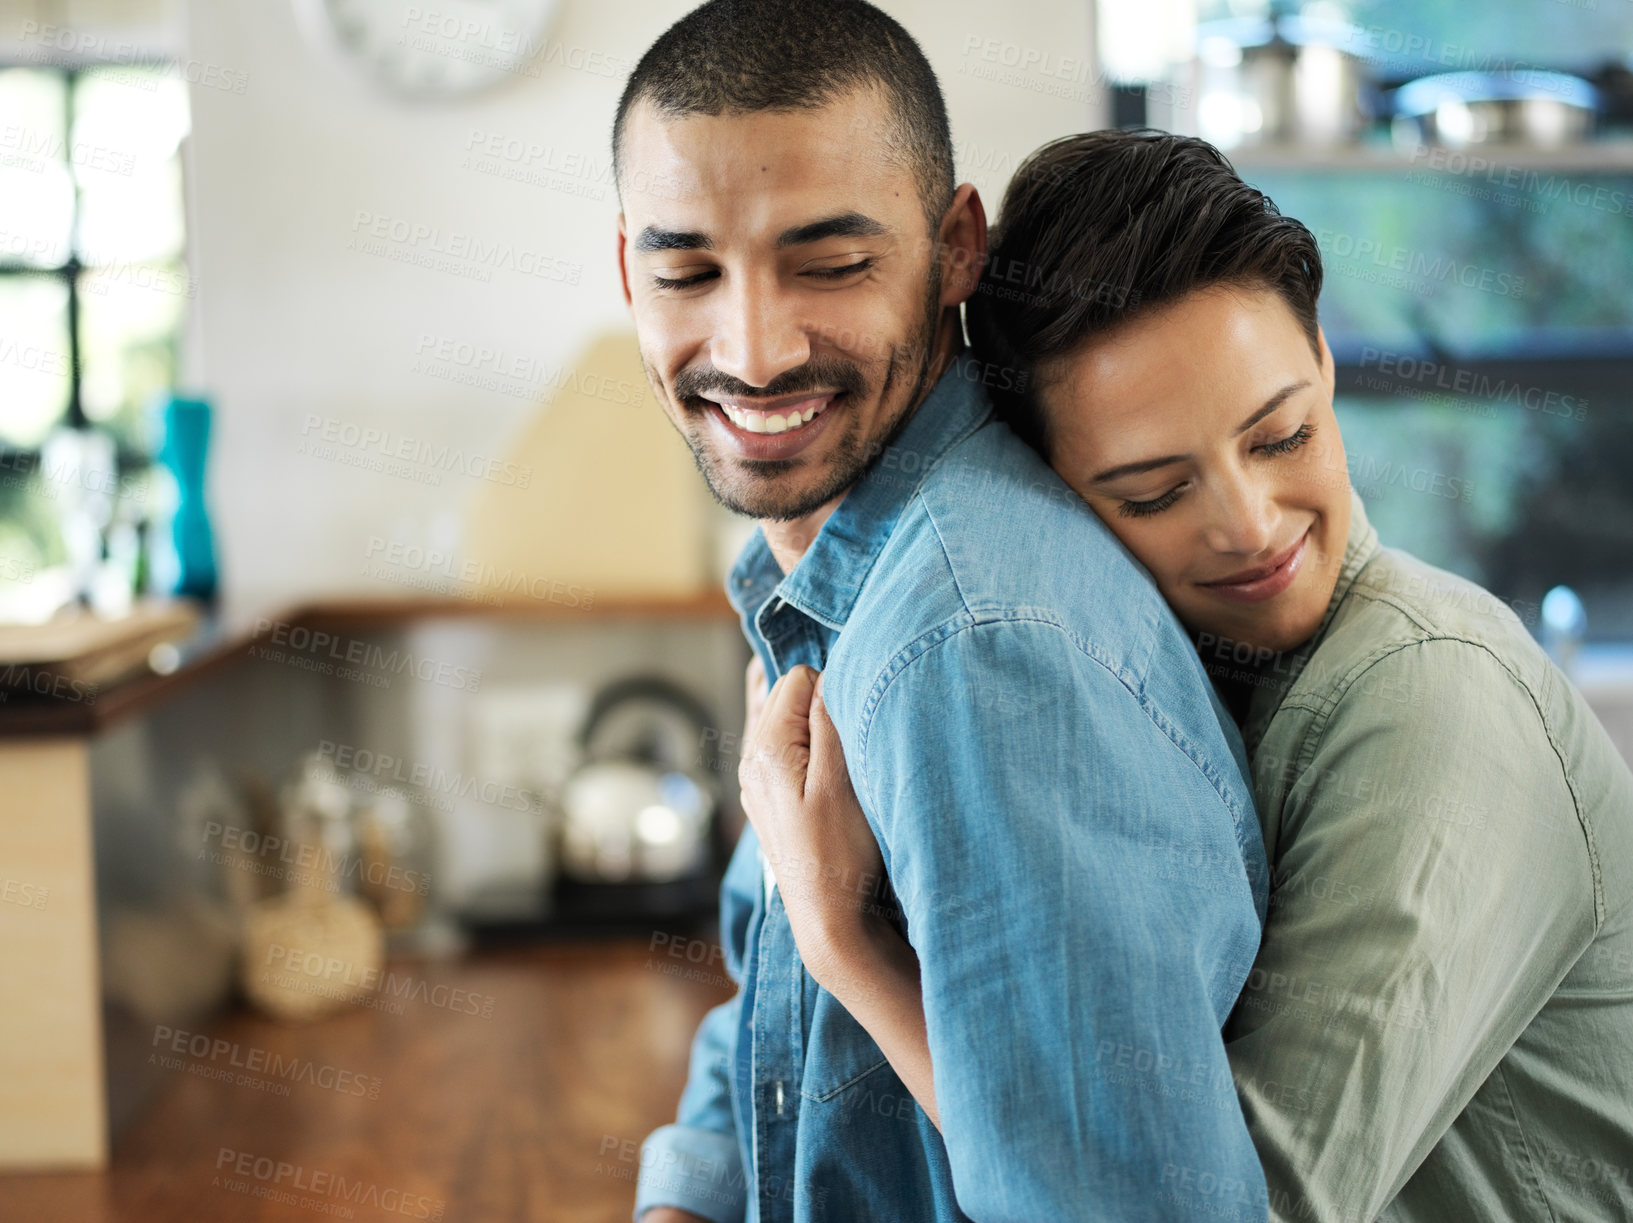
{"type": "Point", "coordinates": [293, 323]}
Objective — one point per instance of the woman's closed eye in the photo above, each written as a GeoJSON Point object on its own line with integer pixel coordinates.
{"type": "Point", "coordinates": [1275, 449]}
{"type": "Point", "coordinates": [1289, 443]}
{"type": "Point", "coordinates": [1140, 509]}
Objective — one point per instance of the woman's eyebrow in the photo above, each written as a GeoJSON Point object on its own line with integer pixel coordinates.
{"type": "Point", "coordinates": [1271, 404]}
{"type": "Point", "coordinates": [1145, 465]}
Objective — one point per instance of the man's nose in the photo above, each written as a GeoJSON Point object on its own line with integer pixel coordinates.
{"type": "Point", "coordinates": [757, 333]}
{"type": "Point", "coordinates": [1242, 516]}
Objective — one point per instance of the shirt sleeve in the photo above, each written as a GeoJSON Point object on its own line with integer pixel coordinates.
{"type": "Point", "coordinates": [696, 1162]}
{"type": "Point", "coordinates": [1430, 888]}
{"type": "Point", "coordinates": [1077, 895]}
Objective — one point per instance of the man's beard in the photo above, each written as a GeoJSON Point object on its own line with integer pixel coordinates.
{"type": "Point", "coordinates": [850, 458]}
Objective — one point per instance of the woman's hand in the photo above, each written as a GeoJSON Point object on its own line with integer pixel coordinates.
{"type": "Point", "coordinates": [797, 794]}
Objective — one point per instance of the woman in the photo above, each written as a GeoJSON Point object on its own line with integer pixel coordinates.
{"type": "Point", "coordinates": [1440, 1022]}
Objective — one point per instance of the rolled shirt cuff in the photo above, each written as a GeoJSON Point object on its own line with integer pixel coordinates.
{"type": "Point", "coordinates": [693, 1169]}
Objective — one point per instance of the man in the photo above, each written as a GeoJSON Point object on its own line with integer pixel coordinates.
{"type": "Point", "coordinates": [1058, 797]}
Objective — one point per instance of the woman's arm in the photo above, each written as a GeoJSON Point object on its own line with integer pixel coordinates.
{"type": "Point", "coordinates": [797, 794]}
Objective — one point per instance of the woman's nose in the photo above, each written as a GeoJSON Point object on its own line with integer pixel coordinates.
{"type": "Point", "coordinates": [1242, 518]}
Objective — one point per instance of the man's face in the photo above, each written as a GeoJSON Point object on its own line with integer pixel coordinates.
{"type": "Point", "coordinates": [786, 293]}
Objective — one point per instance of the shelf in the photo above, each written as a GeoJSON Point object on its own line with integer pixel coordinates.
{"type": "Point", "coordinates": [1601, 157]}
{"type": "Point", "coordinates": [221, 641]}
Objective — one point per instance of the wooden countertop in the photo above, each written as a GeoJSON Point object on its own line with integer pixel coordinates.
{"type": "Point", "coordinates": [533, 1114]}
{"type": "Point", "coordinates": [224, 639]}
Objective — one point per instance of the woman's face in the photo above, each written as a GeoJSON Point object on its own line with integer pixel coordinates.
{"type": "Point", "coordinates": [1203, 434]}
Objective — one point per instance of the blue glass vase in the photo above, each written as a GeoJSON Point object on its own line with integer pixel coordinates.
{"type": "Point", "coordinates": [183, 451]}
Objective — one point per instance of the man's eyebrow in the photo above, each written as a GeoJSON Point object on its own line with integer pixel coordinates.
{"type": "Point", "coordinates": [652, 239]}
{"type": "Point", "coordinates": [845, 225]}
{"type": "Point", "coordinates": [1145, 465]}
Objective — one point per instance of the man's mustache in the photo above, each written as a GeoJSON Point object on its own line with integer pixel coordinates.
{"type": "Point", "coordinates": [822, 374]}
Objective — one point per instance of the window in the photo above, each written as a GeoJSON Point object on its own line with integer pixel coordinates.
{"type": "Point", "coordinates": [93, 283]}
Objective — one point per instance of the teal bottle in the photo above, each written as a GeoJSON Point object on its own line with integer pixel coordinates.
{"type": "Point", "coordinates": [184, 451]}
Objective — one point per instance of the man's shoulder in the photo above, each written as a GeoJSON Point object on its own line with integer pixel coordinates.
{"type": "Point", "coordinates": [993, 534]}
{"type": "Point", "coordinates": [1013, 535]}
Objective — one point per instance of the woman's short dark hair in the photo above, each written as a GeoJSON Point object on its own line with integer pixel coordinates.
{"type": "Point", "coordinates": [1100, 228]}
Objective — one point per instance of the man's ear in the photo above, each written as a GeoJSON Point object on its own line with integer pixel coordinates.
{"type": "Point", "coordinates": [963, 245]}
{"type": "Point", "coordinates": [623, 269]}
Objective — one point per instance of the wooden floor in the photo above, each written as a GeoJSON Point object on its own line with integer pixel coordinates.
{"type": "Point", "coordinates": [535, 1113]}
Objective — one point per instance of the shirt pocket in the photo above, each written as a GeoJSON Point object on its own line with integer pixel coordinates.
{"type": "Point", "coordinates": [839, 1053]}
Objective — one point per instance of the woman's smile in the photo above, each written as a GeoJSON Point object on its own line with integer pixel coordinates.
{"type": "Point", "coordinates": [1263, 581]}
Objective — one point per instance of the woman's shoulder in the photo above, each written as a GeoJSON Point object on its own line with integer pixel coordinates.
{"type": "Point", "coordinates": [1435, 602]}
{"type": "Point", "coordinates": [1445, 630]}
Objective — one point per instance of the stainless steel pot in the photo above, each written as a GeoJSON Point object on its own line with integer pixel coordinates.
{"type": "Point", "coordinates": [1286, 80]}
{"type": "Point", "coordinates": [1459, 109]}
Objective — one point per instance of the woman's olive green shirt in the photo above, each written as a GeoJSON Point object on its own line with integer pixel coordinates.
{"type": "Point", "coordinates": [1439, 1025]}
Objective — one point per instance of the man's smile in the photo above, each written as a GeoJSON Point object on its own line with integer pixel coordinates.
{"type": "Point", "coordinates": [782, 415]}
{"type": "Point", "coordinates": [771, 429]}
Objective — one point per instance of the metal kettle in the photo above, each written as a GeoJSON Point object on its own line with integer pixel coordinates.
{"type": "Point", "coordinates": [640, 807]}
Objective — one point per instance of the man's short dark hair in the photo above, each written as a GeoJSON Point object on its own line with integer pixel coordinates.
{"type": "Point", "coordinates": [1101, 228]}
{"type": "Point", "coordinates": [744, 56]}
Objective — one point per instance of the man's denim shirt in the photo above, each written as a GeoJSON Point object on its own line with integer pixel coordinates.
{"type": "Point", "coordinates": [1061, 805]}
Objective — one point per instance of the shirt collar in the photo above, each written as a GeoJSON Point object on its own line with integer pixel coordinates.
{"type": "Point", "coordinates": [1359, 549]}
{"type": "Point", "coordinates": [829, 577]}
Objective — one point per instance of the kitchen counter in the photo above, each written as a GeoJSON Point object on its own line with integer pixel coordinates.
{"type": "Point", "coordinates": [532, 1112]}
{"type": "Point", "coordinates": [97, 795]}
